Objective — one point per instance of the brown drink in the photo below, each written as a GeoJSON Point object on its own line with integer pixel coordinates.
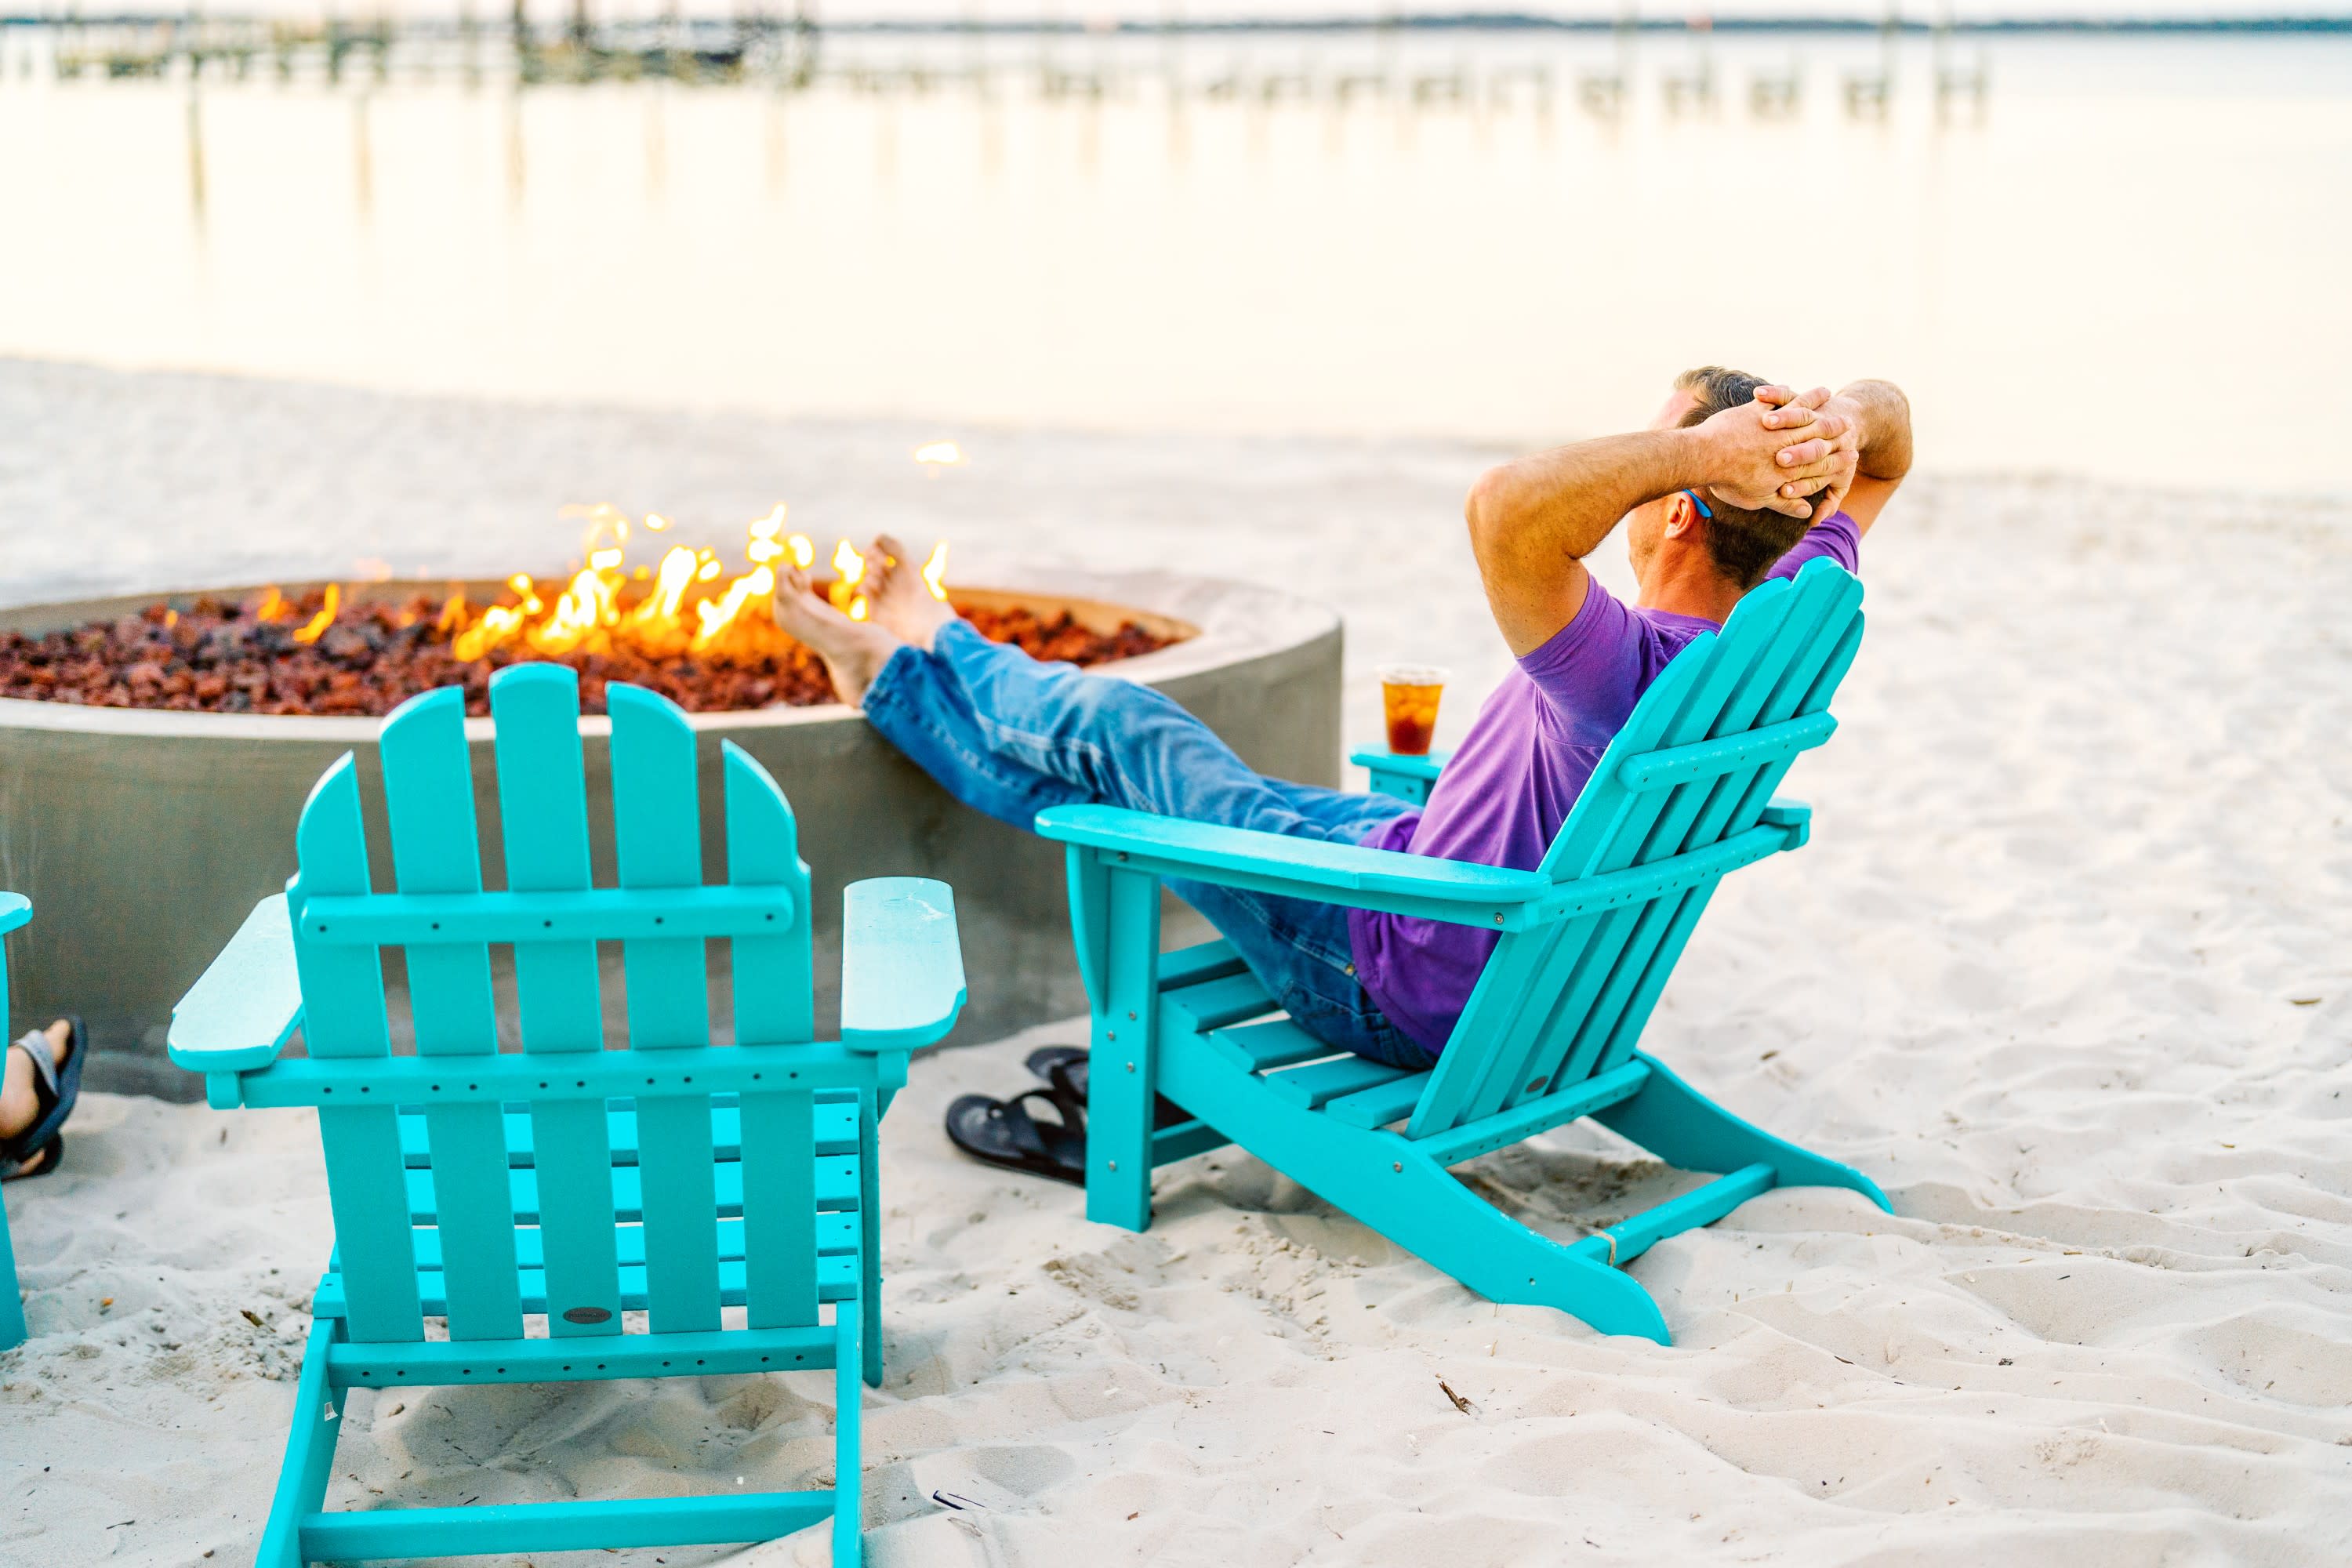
{"type": "Point", "coordinates": [1409, 694]}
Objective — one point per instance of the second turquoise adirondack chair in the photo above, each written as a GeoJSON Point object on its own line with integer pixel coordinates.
{"type": "Point", "coordinates": [571, 1179]}
{"type": "Point", "coordinates": [1586, 943]}
{"type": "Point", "coordinates": [15, 911]}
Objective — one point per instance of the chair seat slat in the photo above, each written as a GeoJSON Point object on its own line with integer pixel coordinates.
{"type": "Point", "coordinates": [1379, 1105]}
{"type": "Point", "coordinates": [1215, 1003]}
{"type": "Point", "coordinates": [1205, 960]}
{"type": "Point", "coordinates": [1312, 1085]}
{"type": "Point", "coordinates": [1262, 1047]}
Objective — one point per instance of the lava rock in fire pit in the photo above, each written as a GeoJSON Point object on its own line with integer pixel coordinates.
{"type": "Point", "coordinates": [368, 657]}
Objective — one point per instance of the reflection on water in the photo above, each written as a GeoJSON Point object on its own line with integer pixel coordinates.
{"type": "Point", "coordinates": [2124, 257]}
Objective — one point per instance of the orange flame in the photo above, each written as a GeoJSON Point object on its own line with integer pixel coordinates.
{"type": "Point", "coordinates": [685, 603]}
{"type": "Point", "coordinates": [850, 571]}
{"type": "Point", "coordinates": [316, 627]}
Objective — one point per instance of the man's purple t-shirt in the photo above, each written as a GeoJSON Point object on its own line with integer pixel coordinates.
{"type": "Point", "coordinates": [1510, 784]}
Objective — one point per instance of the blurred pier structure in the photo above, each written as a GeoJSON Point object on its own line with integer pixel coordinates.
{"type": "Point", "coordinates": [793, 50]}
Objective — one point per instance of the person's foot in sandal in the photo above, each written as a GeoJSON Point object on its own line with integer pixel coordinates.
{"type": "Point", "coordinates": [42, 1079]}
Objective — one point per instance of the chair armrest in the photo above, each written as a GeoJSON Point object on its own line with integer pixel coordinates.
{"type": "Point", "coordinates": [241, 1012]}
{"type": "Point", "coordinates": [1425, 767]}
{"type": "Point", "coordinates": [16, 908]}
{"type": "Point", "coordinates": [1458, 891]}
{"type": "Point", "coordinates": [901, 964]}
{"type": "Point", "coordinates": [1407, 778]}
{"type": "Point", "coordinates": [1793, 814]}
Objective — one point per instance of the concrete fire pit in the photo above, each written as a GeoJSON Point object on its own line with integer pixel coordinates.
{"type": "Point", "coordinates": [143, 837]}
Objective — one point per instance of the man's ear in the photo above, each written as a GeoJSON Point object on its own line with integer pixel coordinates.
{"type": "Point", "coordinates": [1682, 517]}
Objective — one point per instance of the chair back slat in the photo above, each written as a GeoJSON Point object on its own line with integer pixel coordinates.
{"type": "Point", "coordinates": [1636, 840]}
{"type": "Point", "coordinates": [1744, 664]}
{"type": "Point", "coordinates": [1505, 986]}
{"type": "Point", "coordinates": [543, 822]}
{"type": "Point", "coordinates": [428, 789]}
{"type": "Point", "coordinates": [1560, 1003]}
{"type": "Point", "coordinates": [1821, 646]}
{"type": "Point", "coordinates": [657, 832]}
{"type": "Point", "coordinates": [773, 976]}
{"type": "Point", "coordinates": [344, 1016]}
{"type": "Point", "coordinates": [773, 1005]}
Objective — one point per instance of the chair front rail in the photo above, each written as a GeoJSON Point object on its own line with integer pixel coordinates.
{"type": "Point", "coordinates": [387, 1081]}
{"type": "Point", "coordinates": [406, 1532]}
{"type": "Point", "coordinates": [599, 914]}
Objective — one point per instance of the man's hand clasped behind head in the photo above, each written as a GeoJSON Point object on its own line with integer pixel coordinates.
{"type": "Point", "coordinates": [1779, 449]}
{"type": "Point", "coordinates": [1715, 492]}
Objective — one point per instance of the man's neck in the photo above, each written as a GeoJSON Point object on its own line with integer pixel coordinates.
{"type": "Point", "coordinates": [1685, 583]}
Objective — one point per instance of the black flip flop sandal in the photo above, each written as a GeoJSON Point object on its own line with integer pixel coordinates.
{"type": "Point", "coordinates": [1066, 1071]}
{"type": "Point", "coordinates": [1004, 1132]}
{"type": "Point", "coordinates": [54, 1090]}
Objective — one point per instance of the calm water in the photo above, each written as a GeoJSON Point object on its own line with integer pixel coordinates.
{"type": "Point", "coordinates": [2131, 263]}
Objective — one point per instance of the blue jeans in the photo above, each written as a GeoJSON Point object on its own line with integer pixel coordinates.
{"type": "Point", "coordinates": [1009, 736]}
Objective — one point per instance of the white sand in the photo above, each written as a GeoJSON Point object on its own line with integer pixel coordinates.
{"type": "Point", "coordinates": [2081, 861]}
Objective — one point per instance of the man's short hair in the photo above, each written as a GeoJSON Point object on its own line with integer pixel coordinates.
{"type": "Point", "coordinates": [1744, 544]}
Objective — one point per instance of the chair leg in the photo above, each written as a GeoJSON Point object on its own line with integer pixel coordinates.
{"type": "Point", "coordinates": [1446, 1225]}
{"type": "Point", "coordinates": [1384, 1182]}
{"type": "Point", "coordinates": [12, 1309]}
{"type": "Point", "coordinates": [848, 1480]}
{"type": "Point", "coordinates": [310, 1454]}
{"type": "Point", "coordinates": [1690, 1131]}
{"type": "Point", "coordinates": [869, 1243]}
{"type": "Point", "coordinates": [1123, 1070]}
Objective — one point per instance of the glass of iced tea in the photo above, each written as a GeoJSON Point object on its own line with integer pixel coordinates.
{"type": "Point", "coordinates": [1409, 694]}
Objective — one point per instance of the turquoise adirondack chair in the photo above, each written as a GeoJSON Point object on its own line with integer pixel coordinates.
{"type": "Point", "coordinates": [15, 911]}
{"type": "Point", "coordinates": [673, 1177]}
{"type": "Point", "coordinates": [1585, 944]}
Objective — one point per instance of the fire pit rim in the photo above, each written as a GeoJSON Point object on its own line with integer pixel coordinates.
{"type": "Point", "coordinates": [1229, 620]}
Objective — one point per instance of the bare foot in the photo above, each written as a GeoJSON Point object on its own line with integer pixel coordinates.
{"type": "Point", "coordinates": [20, 1099]}
{"type": "Point", "coordinates": [853, 651]}
{"type": "Point", "coordinates": [900, 599]}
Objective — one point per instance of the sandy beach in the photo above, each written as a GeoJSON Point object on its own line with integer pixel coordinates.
{"type": "Point", "coordinates": [2067, 968]}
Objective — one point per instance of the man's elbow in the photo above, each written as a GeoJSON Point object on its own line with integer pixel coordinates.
{"type": "Point", "coordinates": [1487, 510]}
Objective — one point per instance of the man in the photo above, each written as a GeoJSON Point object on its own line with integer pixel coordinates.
{"type": "Point", "coordinates": [1717, 495]}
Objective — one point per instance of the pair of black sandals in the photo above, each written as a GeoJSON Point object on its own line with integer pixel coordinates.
{"type": "Point", "coordinates": [54, 1090]}
{"type": "Point", "coordinates": [1050, 1140]}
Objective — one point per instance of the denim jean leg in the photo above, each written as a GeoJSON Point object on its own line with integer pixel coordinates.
{"type": "Point", "coordinates": [1123, 743]}
{"type": "Point", "coordinates": [927, 716]}
{"type": "Point", "coordinates": [1298, 950]}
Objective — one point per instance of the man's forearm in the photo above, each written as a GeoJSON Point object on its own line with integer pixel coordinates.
{"type": "Point", "coordinates": [1884, 415]}
{"type": "Point", "coordinates": [1563, 503]}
